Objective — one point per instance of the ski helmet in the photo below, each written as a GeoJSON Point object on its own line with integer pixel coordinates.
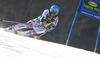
{"type": "Point", "coordinates": [54, 9]}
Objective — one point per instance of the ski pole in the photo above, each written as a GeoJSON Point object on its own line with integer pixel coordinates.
{"type": "Point", "coordinates": [42, 34]}
{"type": "Point", "coordinates": [38, 37]}
{"type": "Point", "coordinates": [8, 21]}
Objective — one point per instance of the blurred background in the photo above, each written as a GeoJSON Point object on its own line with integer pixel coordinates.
{"type": "Point", "coordinates": [84, 33]}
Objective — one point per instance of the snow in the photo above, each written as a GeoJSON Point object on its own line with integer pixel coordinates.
{"type": "Point", "coordinates": [16, 46]}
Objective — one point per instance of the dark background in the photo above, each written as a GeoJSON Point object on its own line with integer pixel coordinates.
{"type": "Point", "coordinates": [84, 32]}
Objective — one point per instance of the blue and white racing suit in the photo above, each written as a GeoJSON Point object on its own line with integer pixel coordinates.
{"type": "Point", "coordinates": [41, 24]}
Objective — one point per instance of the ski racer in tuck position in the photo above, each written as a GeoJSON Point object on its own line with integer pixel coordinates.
{"type": "Point", "coordinates": [46, 22]}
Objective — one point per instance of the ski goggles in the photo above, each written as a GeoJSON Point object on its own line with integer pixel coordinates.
{"type": "Point", "coordinates": [54, 12]}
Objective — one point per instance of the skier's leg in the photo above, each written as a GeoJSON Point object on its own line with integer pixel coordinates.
{"type": "Point", "coordinates": [16, 27]}
{"type": "Point", "coordinates": [37, 33]}
{"type": "Point", "coordinates": [34, 22]}
{"type": "Point", "coordinates": [19, 26]}
{"type": "Point", "coordinates": [39, 30]}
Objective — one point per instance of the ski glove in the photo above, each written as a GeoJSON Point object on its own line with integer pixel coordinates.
{"type": "Point", "coordinates": [50, 28]}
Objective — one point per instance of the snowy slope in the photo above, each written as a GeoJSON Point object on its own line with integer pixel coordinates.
{"type": "Point", "coordinates": [16, 46]}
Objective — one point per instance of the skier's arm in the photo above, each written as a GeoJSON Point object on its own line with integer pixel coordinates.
{"type": "Point", "coordinates": [44, 15]}
{"type": "Point", "coordinates": [54, 24]}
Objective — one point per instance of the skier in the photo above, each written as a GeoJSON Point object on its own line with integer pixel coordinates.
{"type": "Point", "coordinates": [46, 22]}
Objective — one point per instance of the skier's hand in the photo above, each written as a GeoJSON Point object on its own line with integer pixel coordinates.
{"type": "Point", "coordinates": [50, 28]}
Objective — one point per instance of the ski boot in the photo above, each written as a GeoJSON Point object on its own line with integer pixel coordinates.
{"type": "Point", "coordinates": [11, 29]}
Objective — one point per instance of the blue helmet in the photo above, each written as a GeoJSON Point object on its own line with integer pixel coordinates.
{"type": "Point", "coordinates": [54, 8]}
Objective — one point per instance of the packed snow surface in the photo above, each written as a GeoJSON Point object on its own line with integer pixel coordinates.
{"type": "Point", "coordinates": [16, 46]}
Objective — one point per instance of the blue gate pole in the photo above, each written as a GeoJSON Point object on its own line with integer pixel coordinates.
{"type": "Point", "coordinates": [74, 22]}
{"type": "Point", "coordinates": [97, 40]}
{"type": "Point", "coordinates": [71, 28]}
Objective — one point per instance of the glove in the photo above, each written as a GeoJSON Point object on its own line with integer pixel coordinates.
{"type": "Point", "coordinates": [50, 28]}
